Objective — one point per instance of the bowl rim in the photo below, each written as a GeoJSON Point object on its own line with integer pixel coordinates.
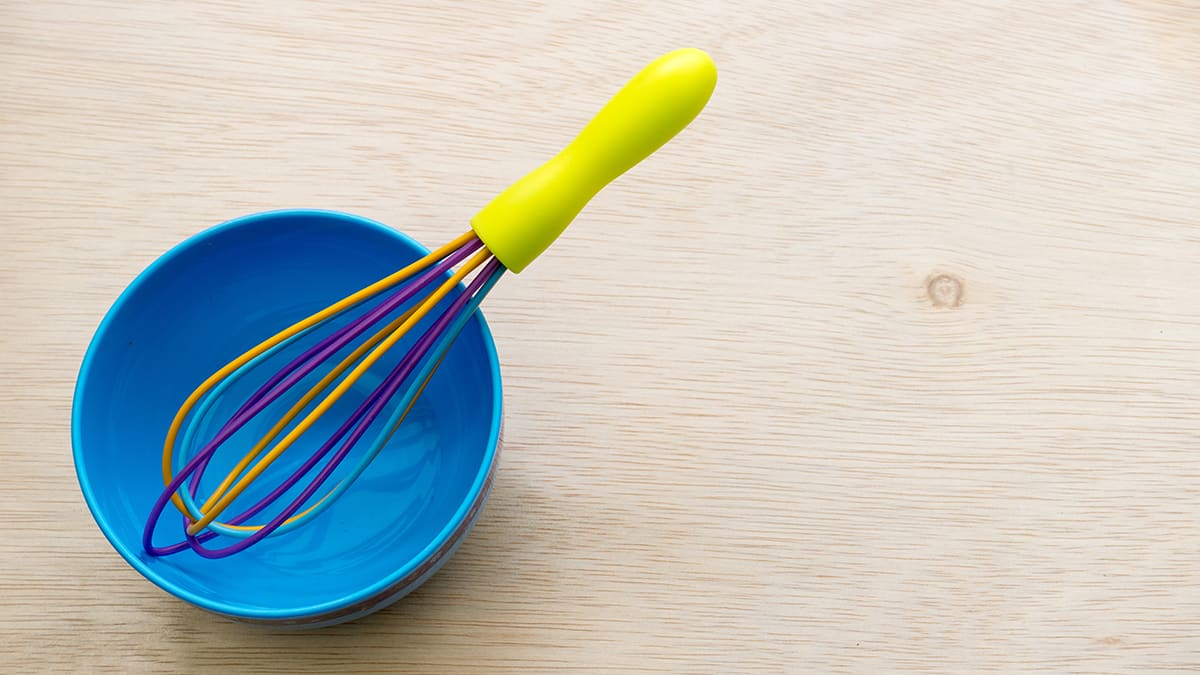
{"type": "Point", "coordinates": [133, 555]}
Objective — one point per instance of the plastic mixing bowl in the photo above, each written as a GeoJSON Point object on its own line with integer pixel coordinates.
{"type": "Point", "coordinates": [207, 301]}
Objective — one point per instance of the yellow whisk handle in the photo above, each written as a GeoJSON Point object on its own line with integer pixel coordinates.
{"type": "Point", "coordinates": [648, 111]}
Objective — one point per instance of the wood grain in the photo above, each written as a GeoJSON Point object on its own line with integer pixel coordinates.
{"type": "Point", "coordinates": [889, 363]}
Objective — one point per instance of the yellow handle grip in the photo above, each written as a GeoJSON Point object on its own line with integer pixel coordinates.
{"type": "Point", "coordinates": [648, 111]}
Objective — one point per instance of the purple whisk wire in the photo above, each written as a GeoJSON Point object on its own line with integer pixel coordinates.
{"type": "Point", "coordinates": [372, 407]}
{"type": "Point", "coordinates": [269, 392]}
{"type": "Point", "coordinates": [304, 364]}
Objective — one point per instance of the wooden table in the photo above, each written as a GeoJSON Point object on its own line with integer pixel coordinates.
{"type": "Point", "coordinates": [888, 363]}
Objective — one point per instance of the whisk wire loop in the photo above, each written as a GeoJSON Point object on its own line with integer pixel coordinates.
{"type": "Point", "coordinates": [338, 391]}
{"type": "Point", "coordinates": [302, 325]}
{"type": "Point", "coordinates": [434, 343]}
{"type": "Point", "coordinates": [178, 471]}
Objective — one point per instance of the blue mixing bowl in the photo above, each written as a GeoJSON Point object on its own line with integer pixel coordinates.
{"type": "Point", "coordinates": [207, 301]}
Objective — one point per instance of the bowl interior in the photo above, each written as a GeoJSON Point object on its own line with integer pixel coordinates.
{"type": "Point", "coordinates": [207, 301]}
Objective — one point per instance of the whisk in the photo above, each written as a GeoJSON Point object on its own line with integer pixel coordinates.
{"type": "Point", "coordinates": [506, 235]}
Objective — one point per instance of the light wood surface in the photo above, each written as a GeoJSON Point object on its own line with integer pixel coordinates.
{"type": "Point", "coordinates": [888, 363]}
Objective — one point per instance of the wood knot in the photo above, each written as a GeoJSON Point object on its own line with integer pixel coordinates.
{"type": "Point", "coordinates": [944, 290]}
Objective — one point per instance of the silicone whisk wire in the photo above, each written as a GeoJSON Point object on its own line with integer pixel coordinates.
{"type": "Point", "coordinates": [200, 521]}
{"type": "Point", "coordinates": [434, 345]}
{"type": "Point", "coordinates": [342, 387]}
